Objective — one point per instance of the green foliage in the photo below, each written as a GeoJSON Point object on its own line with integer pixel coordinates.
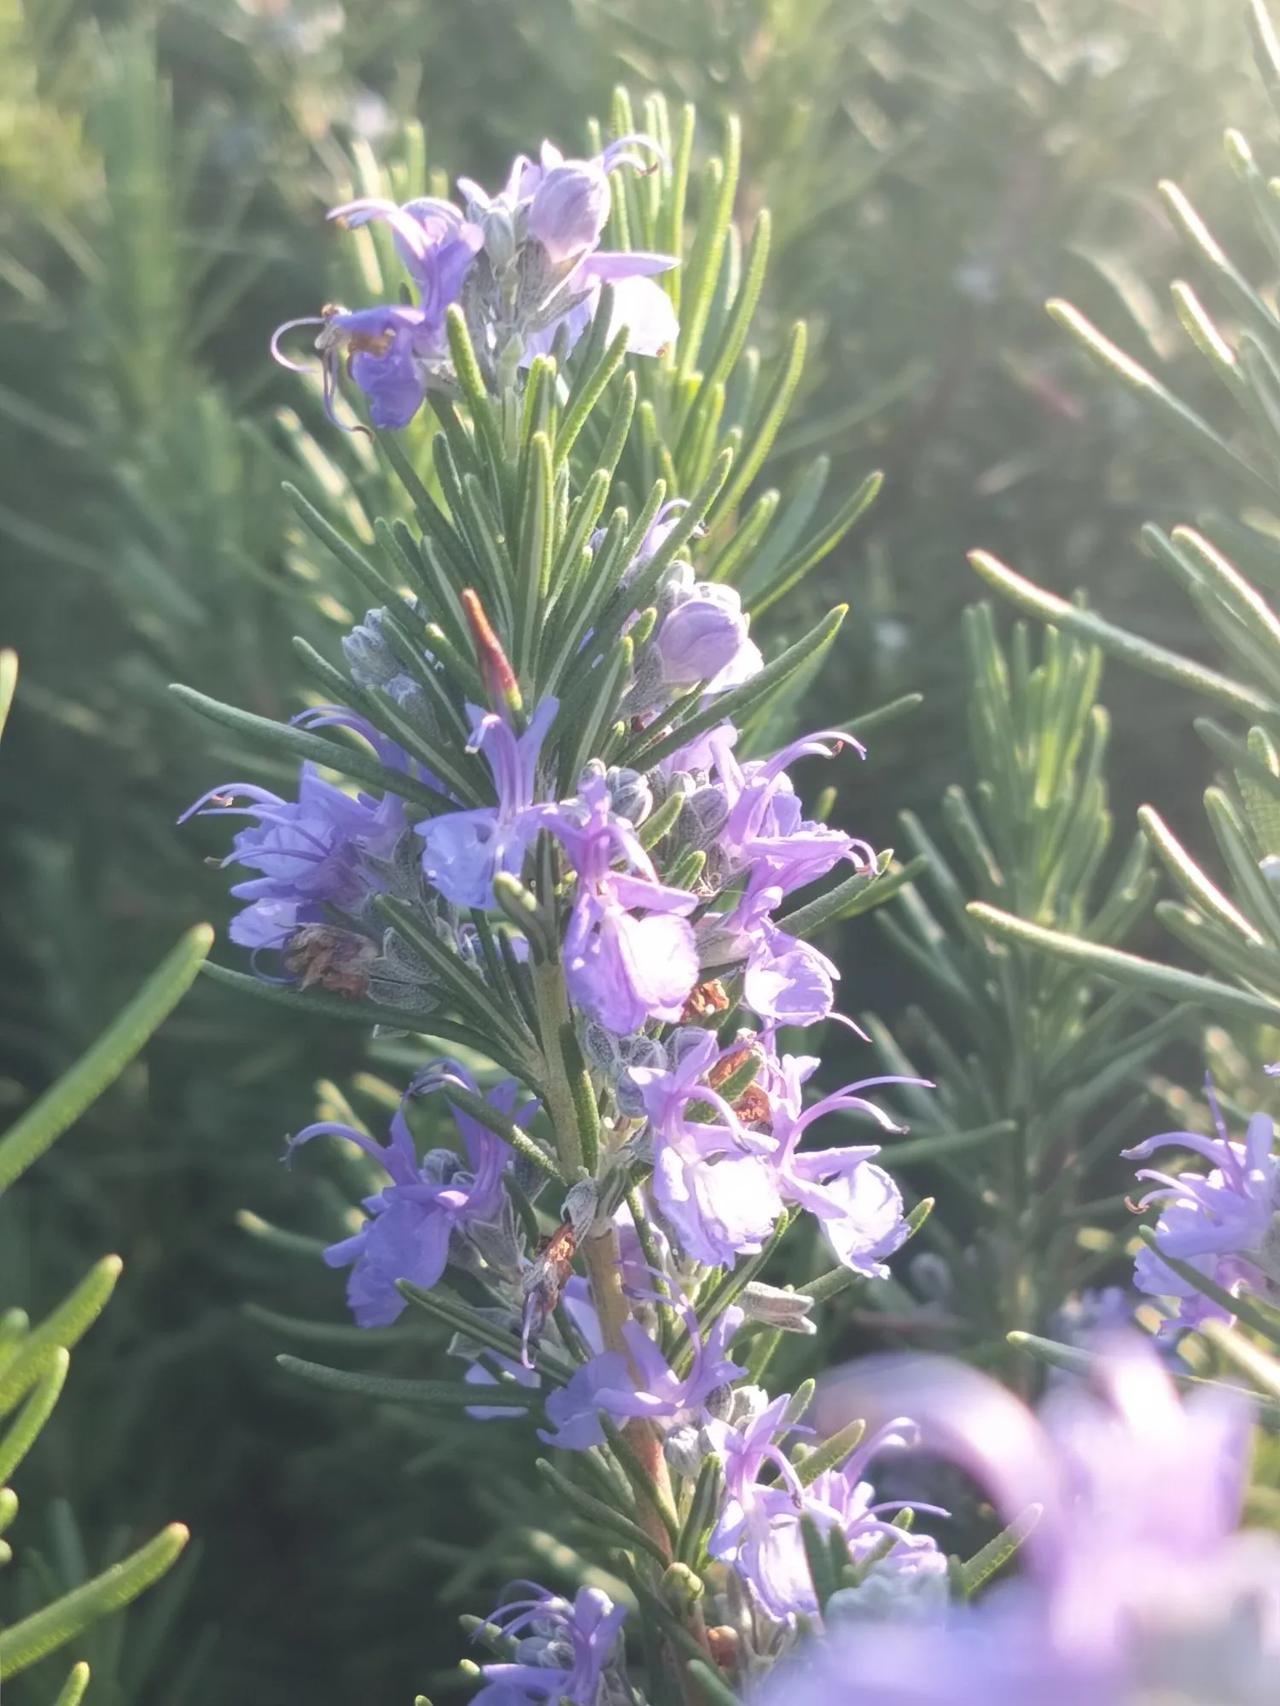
{"type": "Point", "coordinates": [34, 1360]}
{"type": "Point", "coordinates": [1037, 1066]}
{"type": "Point", "coordinates": [1226, 566]}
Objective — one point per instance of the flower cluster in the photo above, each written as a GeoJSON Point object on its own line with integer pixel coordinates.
{"type": "Point", "coordinates": [1224, 1224]}
{"type": "Point", "coordinates": [524, 266]}
{"type": "Point", "coordinates": [568, 855]}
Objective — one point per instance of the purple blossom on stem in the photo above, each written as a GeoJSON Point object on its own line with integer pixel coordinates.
{"type": "Point", "coordinates": [393, 350]}
{"type": "Point", "coordinates": [318, 851]}
{"type": "Point", "coordinates": [629, 953]}
{"type": "Point", "coordinates": [765, 831]}
{"type": "Point", "coordinates": [564, 1648]}
{"type": "Point", "coordinates": [713, 1180]}
{"type": "Point", "coordinates": [857, 1205]}
{"type": "Point", "coordinates": [641, 1383]}
{"type": "Point", "coordinates": [413, 1218]}
{"type": "Point", "coordinates": [463, 851]}
{"type": "Point", "coordinates": [703, 635]}
{"type": "Point", "coordinates": [1223, 1223]}
{"type": "Point", "coordinates": [759, 1528]}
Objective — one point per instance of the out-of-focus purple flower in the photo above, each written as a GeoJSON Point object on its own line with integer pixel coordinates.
{"type": "Point", "coordinates": [1223, 1223]}
{"type": "Point", "coordinates": [564, 1651]}
{"type": "Point", "coordinates": [713, 1180]}
{"type": "Point", "coordinates": [629, 953]}
{"type": "Point", "coordinates": [641, 1383]}
{"type": "Point", "coordinates": [412, 1219]}
{"type": "Point", "coordinates": [464, 851]}
{"type": "Point", "coordinates": [1139, 1586]}
{"type": "Point", "coordinates": [318, 851]}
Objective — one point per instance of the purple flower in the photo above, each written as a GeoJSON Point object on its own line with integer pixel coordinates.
{"type": "Point", "coordinates": [765, 831]}
{"type": "Point", "coordinates": [463, 851]}
{"type": "Point", "coordinates": [318, 851]}
{"type": "Point", "coordinates": [785, 981]}
{"type": "Point", "coordinates": [759, 1529]}
{"type": "Point", "coordinates": [629, 953]}
{"type": "Point", "coordinates": [412, 1219]}
{"type": "Point", "coordinates": [1138, 1586]}
{"type": "Point", "coordinates": [394, 351]}
{"type": "Point", "coordinates": [641, 1383]}
{"type": "Point", "coordinates": [857, 1205]}
{"type": "Point", "coordinates": [713, 1180]}
{"type": "Point", "coordinates": [564, 1648]}
{"type": "Point", "coordinates": [1222, 1223]}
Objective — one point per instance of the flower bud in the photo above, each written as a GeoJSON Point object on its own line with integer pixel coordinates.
{"type": "Point", "coordinates": [630, 794]}
{"type": "Point", "coordinates": [570, 208]}
{"type": "Point", "coordinates": [701, 635]}
{"type": "Point", "coordinates": [499, 237]}
{"type": "Point", "coordinates": [369, 656]}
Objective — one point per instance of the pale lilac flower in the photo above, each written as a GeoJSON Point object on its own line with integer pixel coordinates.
{"type": "Point", "coordinates": [759, 1525]}
{"type": "Point", "coordinates": [413, 1218]}
{"type": "Point", "coordinates": [641, 1383]}
{"type": "Point", "coordinates": [713, 1180]}
{"type": "Point", "coordinates": [1222, 1223]}
{"type": "Point", "coordinates": [565, 1648]}
{"type": "Point", "coordinates": [765, 831]}
{"type": "Point", "coordinates": [463, 851]}
{"type": "Point", "coordinates": [629, 953]}
{"type": "Point", "coordinates": [857, 1205]}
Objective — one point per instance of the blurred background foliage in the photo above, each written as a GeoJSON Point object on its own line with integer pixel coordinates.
{"type": "Point", "coordinates": [935, 169]}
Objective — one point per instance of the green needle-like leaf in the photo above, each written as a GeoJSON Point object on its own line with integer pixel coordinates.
{"type": "Point", "coordinates": [440, 1394]}
{"type": "Point", "coordinates": [23, 1643]}
{"type": "Point", "coordinates": [1169, 981]}
{"type": "Point", "coordinates": [65, 1101]}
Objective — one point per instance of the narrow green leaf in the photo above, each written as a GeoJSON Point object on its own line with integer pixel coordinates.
{"type": "Point", "coordinates": [772, 414]}
{"type": "Point", "coordinates": [1169, 981]}
{"type": "Point", "coordinates": [715, 1690]}
{"type": "Point", "coordinates": [831, 1453]}
{"type": "Point", "coordinates": [855, 895]}
{"type": "Point", "coordinates": [64, 1326]}
{"type": "Point", "coordinates": [352, 1011]}
{"type": "Point", "coordinates": [23, 1643]}
{"type": "Point", "coordinates": [298, 744]}
{"type": "Point", "coordinates": [1156, 660]}
{"type": "Point", "coordinates": [494, 1120]}
{"type": "Point", "coordinates": [21, 1436]}
{"type": "Point", "coordinates": [1145, 386]}
{"type": "Point", "coordinates": [385, 1388]}
{"type": "Point", "coordinates": [72, 1691]}
{"type": "Point", "coordinates": [65, 1101]}
{"type": "Point", "coordinates": [997, 1553]}
{"type": "Point", "coordinates": [587, 392]}
{"type": "Point", "coordinates": [1184, 870]}
{"type": "Point", "coordinates": [594, 1511]}
{"type": "Point", "coordinates": [793, 572]}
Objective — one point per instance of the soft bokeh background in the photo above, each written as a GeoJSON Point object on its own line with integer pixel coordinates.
{"type": "Point", "coordinates": [936, 168]}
